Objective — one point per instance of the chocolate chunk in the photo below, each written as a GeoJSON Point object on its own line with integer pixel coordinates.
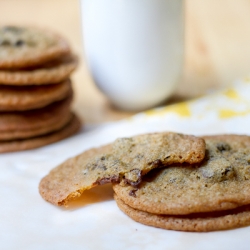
{"type": "Point", "coordinates": [133, 177]}
{"type": "Point", "coordinates": [223, 147]}
{"type": "Point", "coordinates": [112, 179]}
{"type": "Point", "coordinates": [5, 42]}
{"type": "Point", "coordinates": [19, 43]}
{"type": "Point", "coordinates": [132, 192]}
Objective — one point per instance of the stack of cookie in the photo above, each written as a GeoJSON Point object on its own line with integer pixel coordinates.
{"type": "Point", "coordinates": [35, 89]}
{"type": "Point", "coordinates": [166, 180]}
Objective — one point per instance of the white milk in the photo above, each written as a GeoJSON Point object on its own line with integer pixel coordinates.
{"type": "Point", "coordinates": [134, 49]}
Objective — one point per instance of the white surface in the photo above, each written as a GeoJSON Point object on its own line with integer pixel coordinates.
{"type": "Point", "coordinates": [94, 221]}
{"type": "Point", "coordinates": [134, 49]}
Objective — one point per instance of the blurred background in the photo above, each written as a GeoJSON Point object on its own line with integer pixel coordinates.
{"type": "Point", "coordinates": [217, 47]}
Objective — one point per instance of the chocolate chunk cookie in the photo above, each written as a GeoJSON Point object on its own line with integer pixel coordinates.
{"type": "Point", "coordinates": [17, 98]}
{"type": "Point", "coordinates": [22, 47]}
{"type": "Point", "coordinates": [126, 159]}
{"type": "Point", "coordinates": [200, 222]}
{"type": "Point", "coordinates": [51, 72]}
{"type": "Point", "coordinates": [145, 152]}
{"type": "Point", "coordinates": [220, 182]}
{"type": "Point", "coordinates": [17, 145]}
{"type": "Point", "coordinates": [25, 124]}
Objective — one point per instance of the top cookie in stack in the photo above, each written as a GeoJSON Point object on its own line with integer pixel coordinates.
{"type": "Point", "coordinates": [35, 89]}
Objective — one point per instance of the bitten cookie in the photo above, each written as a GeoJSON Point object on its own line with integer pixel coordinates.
{"type": "Point", "coordinates": [126, 158]}
{"type": "Point", "coordinates": [145, 152]}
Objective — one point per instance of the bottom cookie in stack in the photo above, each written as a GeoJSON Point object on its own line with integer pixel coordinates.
{"type": "Point", "coordinates": [34, 128]}
{"type": "Point", "coordinates": [202, 222]}
{"type": "Point", "coordinates": [210, 196]}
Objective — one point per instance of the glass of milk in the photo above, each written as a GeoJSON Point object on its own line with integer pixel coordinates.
{"type": "Point", "coordinates": [134, 49]}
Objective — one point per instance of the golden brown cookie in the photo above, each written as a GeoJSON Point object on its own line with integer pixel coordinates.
{"type": "Point", "coordinates": [52, 72]}
{"type": "Point", "coordinates": [18, 145]}
{"type": "Point", "coordinates": [25, 134]}
{"type": "Point", "coordinates": [34, 119]}
{"type": "Point", "coordinates": [28, 46]}
{"type": "Point", "coordinates": [17, 98]}
{"type": "Point", "coordinates": [220, 182]}
{"type": "Point", "coordinates": [68, 181]}
{"type": "Point", "coordinates": [148, 151]}
{"type": "Point", "coordinates": [127, 158]}
{"type": "Point", "coordinates": [203, 222]}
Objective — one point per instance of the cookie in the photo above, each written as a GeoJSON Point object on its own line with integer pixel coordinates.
{"type": "Point", "coordinates": [25, 134]}
{"type": "Point", "coordinates": [204, 222]}
{"type": "Point", "coordinates": [52, 72]}
{"type": "Point", "coordinates": [22, 47]}
{"type": "Point", "coordinates": [17, 98]}
{"type": "Point", "coordinates": [68, 181]}
{"type": "Point", "coordinates": [18, 145]}
{"type": "Point", "coordinates": [127, 158]}
{"type": "Point", "coordinates": [220, 182]}
{"type": "Point", "coordinates": [35, 119]}
{"type": "Point", "coordinates": [148, 151]}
